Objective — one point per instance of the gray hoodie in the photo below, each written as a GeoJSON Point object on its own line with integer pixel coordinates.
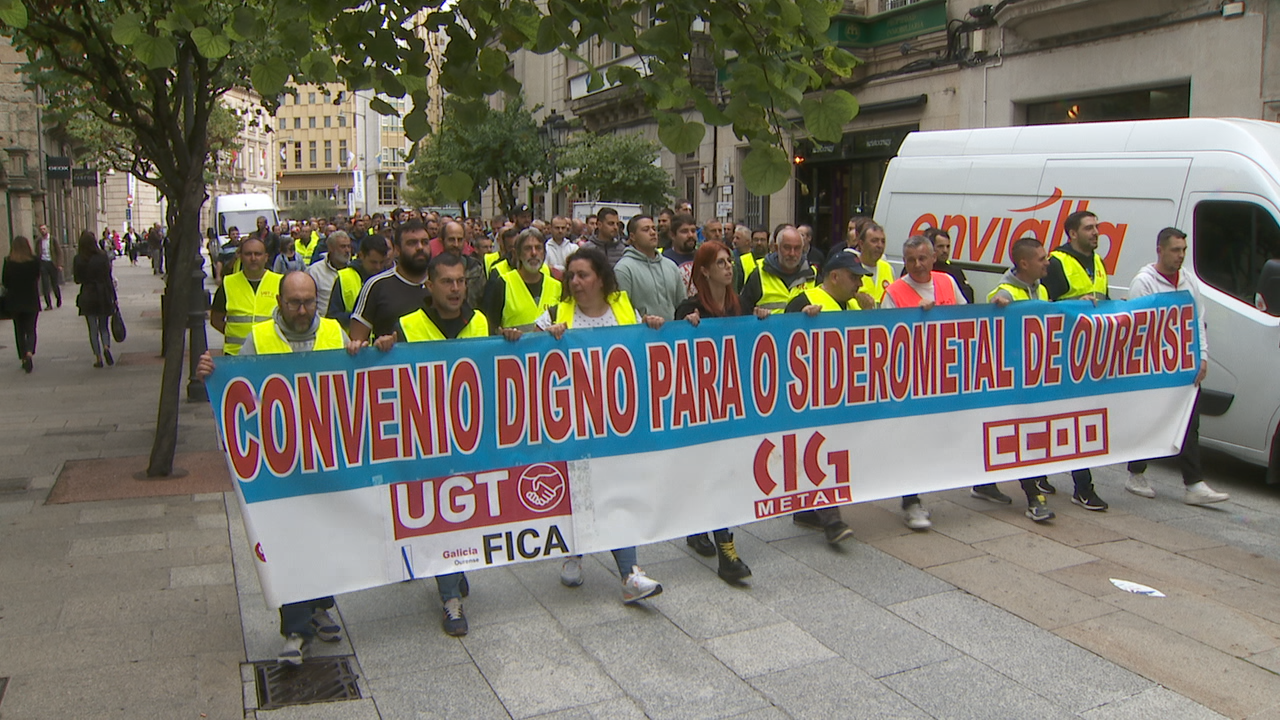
{"type": "Point", "coordinates": [1009, 278]}
{"type": "Point", "coordinates": [655, 284]}
{"type": "Point", "coordinates": [1149, 281]}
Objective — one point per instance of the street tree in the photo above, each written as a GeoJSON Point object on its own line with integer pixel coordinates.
{"type": "Point", "coordinates": [476, 146]}
{"type": "Point", "coordinates": [156, 69]}
{"type": "Point", "coordinates": [615, 168]}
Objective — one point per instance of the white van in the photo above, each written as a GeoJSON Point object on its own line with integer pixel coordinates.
{"type": "Point", "coordinates": [1216, 179]}
{"type": "Point", "coordinates": [242, 212]}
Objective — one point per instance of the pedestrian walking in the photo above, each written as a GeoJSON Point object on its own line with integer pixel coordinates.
{"type": "Point", "coordinates": [1165, 275]}
{"type": "Point", "coordinates": [21, 281]}
{"type": "Point", "coordinates": [50, 256]}
{"type": "Point", "coordinates": [293, 327]}
{"type": "Point", "coordinates": [712, 274]}
{"type": "Point", "coordinates": [91, 269]}
{"type": "Point", "coordinates": [591, 299]}
{"type": "Point", "coordinates": [132, 245]}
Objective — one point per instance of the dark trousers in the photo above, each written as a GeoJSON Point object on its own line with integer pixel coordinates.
{"type": "Point", "coordinates": [24, 332]}
{"type": "Point", "coordinates": [49, 280]}
{"type": "Point", "coordinates": [99, 333]}
{"type": "Point", "coordinates": [1189, 458]}
{"type": "Point", "coordinates": [157, 260]}
{"type": "Point", "coordinates": [295, 618]}
{"type": "Point", "coordinates": [1028, 486]}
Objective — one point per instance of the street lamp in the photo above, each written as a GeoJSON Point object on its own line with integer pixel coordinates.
{"type": "Point", "coordinates": [553, 133]}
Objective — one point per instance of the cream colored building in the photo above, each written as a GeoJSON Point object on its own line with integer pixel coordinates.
{"type": "Point", "coordinates": [317, 144]}
{"type": "Point", "coordinates": [1037, 61]}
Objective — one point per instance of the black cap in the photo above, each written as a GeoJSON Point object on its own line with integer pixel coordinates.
{"type": "Point", "coordinates": [846, 260]}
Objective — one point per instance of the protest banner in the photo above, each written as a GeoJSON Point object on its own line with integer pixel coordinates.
{"type": "Point", "coordinates": [442, 456]}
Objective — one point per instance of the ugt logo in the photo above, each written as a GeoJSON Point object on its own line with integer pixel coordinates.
{"type": "Point", "coordinates": [816, 471]}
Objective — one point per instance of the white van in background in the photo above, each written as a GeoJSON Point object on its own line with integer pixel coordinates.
{"type": "Point", "coordinates": [1218, 180]}
{"type": "Point", "coordinates": [242, 211]}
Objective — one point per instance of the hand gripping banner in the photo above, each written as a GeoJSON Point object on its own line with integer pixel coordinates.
{"type": "Point", "coordinates": [465, 454]}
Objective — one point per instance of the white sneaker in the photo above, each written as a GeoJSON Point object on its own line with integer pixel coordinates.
{"type": "Point", "coordinates": [639, 586]}
{"type": "Point", "coordinates": [1138, 485]}
{"type": "Point", "coordinates": [571, 571]}
{"type": "Point", "coordinates": [917, 518]}
{"type": "Point", "coordinates": [292, 651]}
{"type": "Point", "coordinates": [1202, 494]}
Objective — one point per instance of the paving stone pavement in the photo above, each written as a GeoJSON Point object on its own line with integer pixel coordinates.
{"type": "Point", "coordinates": [149, 608]}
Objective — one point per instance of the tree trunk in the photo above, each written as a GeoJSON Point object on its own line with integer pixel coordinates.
{"type": "Point", "coordinates": [184, 228]}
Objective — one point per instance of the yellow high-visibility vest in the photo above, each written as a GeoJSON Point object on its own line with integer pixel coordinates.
{"type": "Point", "coordinates": [245, 308]}
{"type": "Point", "coordinates": [822, 298]}
{"type": "Point", "coordinates": [875, 285]}
{"type": "Point", "coordinates": [619, 304]}
{"type": "Point", "coordinates": [774, 294]}
{"type": "Point", "coordinates": [1078, 279]}
{"type": "Point", "coordinates": [309, 249]}
{"type": "Point", "coordinates": [349, 282]}
{"type": "Point", "coordinates": [267, 339]}
{"type": "Point", "coordinates": [417, 326]}
{"type": "Point", "coordinates": [519, 309]}
{"type": "Point", "coordinates": [1019, 293]}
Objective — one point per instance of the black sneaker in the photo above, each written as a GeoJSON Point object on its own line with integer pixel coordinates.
{"type": "Point", "coordinates": [701, 545]}
{"type": "Point", "coordinates": [990, 492]}
{"type": "Point", "coordinates": [455, 622]}
{"type": "Point", "coordinates": [837, 532]}
{"type": "Point", "coordinates": [106, 355]}
{"type": "Point", "coordinates": [1037, 509]}
{"type": "Point", "coordinates": [1044, 487]}
{"type": "Point", "coordinates": [808, 519]}
{"type": "Point", "coordinates": [1089, 500]}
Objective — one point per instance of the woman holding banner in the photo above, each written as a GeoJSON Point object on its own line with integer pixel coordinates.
{"type": "Point", "coordinates": [591, 299]}
{"type": "Point", "coordinates": [712, 277]}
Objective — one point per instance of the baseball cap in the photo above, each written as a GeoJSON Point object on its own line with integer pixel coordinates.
{"type": "Point", "coordinates": [846, 259]}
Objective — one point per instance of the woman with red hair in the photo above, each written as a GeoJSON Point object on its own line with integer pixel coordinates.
{"type": "Point", "coordinates": [712, 276]}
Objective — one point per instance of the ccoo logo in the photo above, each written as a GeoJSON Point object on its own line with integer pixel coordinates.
{"type": "Point", "coordinates": [542, 487]}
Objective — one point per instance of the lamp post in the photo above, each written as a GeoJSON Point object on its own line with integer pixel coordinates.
{"type": "Point", "coordinates": [554, 132]}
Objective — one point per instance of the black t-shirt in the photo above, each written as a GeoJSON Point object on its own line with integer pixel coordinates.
{"type": "Point", "coordinates": [220, 297]}
{"type": "Point", "coordinates": [385, 299]}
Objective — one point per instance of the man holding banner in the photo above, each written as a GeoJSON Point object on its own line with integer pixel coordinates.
{"type": "Point", "coordinates": [843, 279]}
{"type": "Point", "coordinates": [779, 277]}
{"type": "Point", "coordinates": [294, 327]}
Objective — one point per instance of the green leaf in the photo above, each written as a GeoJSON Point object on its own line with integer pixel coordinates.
{"type": "Point", "coordinates": [595, 82]}
{"type": "Point", "coordinates": [816, 18]}
{"type": "Point", "coordinates": [126, 30]}
{"type": "Point", "coordinates": [321, 68]}
{"type": "Point", "coordinates": [382, 107]}
{"type": "Point", "coordinates": [456, 185]}
{"type": "Point", "coordinates": [13, 14]}
{"type": "Point", "coordinates": [766, 169]}
{"type": "Point", "coordinates": [825, 118]}
{"type": "Point", "coordinates": [710, 113]}
{"type": "Point", "coordinates": [680, 137]}
{"type": "Point", "coordinates": [492, 61]}
{"type": "Point", "coordinates": [664, 36]}
{"type": "Point", "coordinates": [210, 45]}
{"type": "Point", "coordinates": [790, 15]}
{"type": "Point", "coordinates": [269, 78]}
{"type": "Point", "coordinates": [155, 52]}
{"type": "Point", "coordinates": [416, 124]}
{"type": "Point", "coordinates": [245, 22]}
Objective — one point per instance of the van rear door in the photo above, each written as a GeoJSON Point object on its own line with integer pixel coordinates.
{"type": "Point", "coordinates": [1232, 235]}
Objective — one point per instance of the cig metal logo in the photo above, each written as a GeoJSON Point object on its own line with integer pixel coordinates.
{"type": "Point", "coordinates": [1045, 439]}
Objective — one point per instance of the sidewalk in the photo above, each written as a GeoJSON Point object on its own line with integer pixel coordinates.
{"type": "Point", "coordinates": [149, 608]}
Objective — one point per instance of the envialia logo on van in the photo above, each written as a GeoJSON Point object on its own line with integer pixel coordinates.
{"type": "Point", "coordinates": [978, 232]}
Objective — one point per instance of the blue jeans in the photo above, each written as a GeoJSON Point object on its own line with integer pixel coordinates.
{"type": "Point", "coordinates": [450, 586]}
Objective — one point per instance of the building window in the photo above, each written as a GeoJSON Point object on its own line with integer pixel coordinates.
{"type": "Point", "coordinates": [342, 120]}
{"type": "Point", "coordinates": [297, 123]}
{"type": "Point", "coordinates": [757, 213]}
{"type": "Point", "coordinates": [1232, 241]}
{"type": "Point", "coordinates": [328, 153]}
{"type": "Point", "coordinates": [388, 191]}
{"type": "Point", "coordinates": [284, 156]}
{"type": "Point", "coordinates": [311, 148]}
{"type": "Point", "coordinates": [297, 156]}
{"type": "Point", "coordinates": [1173, 101]}
{"type": "Point", "coordinates": [886, 5]}
{"type": "Point", "coordinates": [327, 120]}
{"type": "Point", "coordinates": [311, 122]}
{"type": "Point", "coordinates": [343, 158]}
{"type": "Point", "coordinates": [311, 98]}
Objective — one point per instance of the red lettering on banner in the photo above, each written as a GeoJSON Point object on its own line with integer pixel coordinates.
{"type": "Point", "coordinates": [731, 402]}
{"type": "Point", "coordinates": [477, 500]}
{"type": "Point", "coordinates": [855, 390]}
{"type": "Point", "coordinates": [239, 396]}
{"type": "Point", "coordinates": [877, 358]}
{"type": "Point", "coordinates": [1133, 361]}
{"type": "Point", "coordinates": [1050, 438]}
{"type": "Point", "coordinates": [1188, 317]}
{"type": "Point", "coordinates": [1104, 336]}
{"type": "Point", "coordinates": [588, 382]}
{"type": "Point", "coordinates": [966, 331]}
{"type": "Point", "coordinates": [798, 363]}
{"type": "Point", "coordinates": [660, 382]}
{"type": "Point", "coordinates": [1123, 335]}
{"type": "Point", "coordinates": [1169, 352]}
{"type": "Point", "coordinates": [382, 446]}
{"type": "Point", "coordinates": [950, 385]}
{"type": "Point", "coordinates": [351, 407]}
{"type": "Point", "coordinates": [924, 370]}
{"type": "Point", "coordinates": [535, 399]}
{"type": "Point", "coordinates": [900, 362]}
{"type": "Point", "coordinates": [464, 395]}
{"type": "Point", "coordinates": [790, 471]}
{"type": "Point", "coordinates": [832, 370]}
{"type": "Point", "coordinates": [707, 362]}
{"type": "Point", "coordinates": [684, 408]}
{"type": "Point", "coordinates": [278, 423]}
{"type": "Point", "coordinates": [510, 420]}
{"type": "Point", "coordinates": [1081, 340]}
{"type": "Point", "coordinates": [559, 401]}
{"type": "Point", "coordinates": [316, 423]}
{"type": "Point", "coordinates": [764, 381]}
{"type": "Point", "coordinates": [760, 467]}
{"type": "Point", "coordinates": [806, 500]}
{"type": "Point", "coordinates": [620, 372]}
{"type": "Point", "coordinates": [793, 460]}
{"type": "Point", "coordinates": [1053, 349]}
{"type": "Point", "coordinates": [1033, 353]}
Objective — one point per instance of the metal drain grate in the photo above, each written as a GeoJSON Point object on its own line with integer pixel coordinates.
{"type": "Point", "coordinates": [323, 679]}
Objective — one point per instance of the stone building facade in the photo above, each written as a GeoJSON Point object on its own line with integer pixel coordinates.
{"type": "Point", "coordinates": [930, 64]}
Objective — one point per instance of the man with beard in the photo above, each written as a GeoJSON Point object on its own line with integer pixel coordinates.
{"type": "Point", "coordinates": [293, 327]}
{"type": "Point", "coordinates": [397, 292]}
{"type": "Point", "coordinates": [521, 295]}
{"type": "Point", "coordinates": [780, 276]}
{"type": "Point", "coordinates": [606, 240]}
{"type": "Point", "coordinates": [684, 243]}
{"type": "Point", "coordinates": [664, 228]}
